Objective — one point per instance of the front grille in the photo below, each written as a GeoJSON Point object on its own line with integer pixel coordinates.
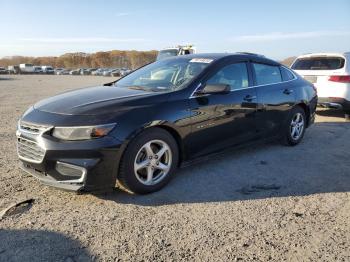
{"type": "Point", "coordinates": [30, 150]}
{"type": "Point", "coordinates": [32, 128]}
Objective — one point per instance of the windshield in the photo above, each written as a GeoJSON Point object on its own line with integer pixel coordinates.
{"type": "Point", "coordinates": [167, 53]}
{"type": "Point", "coordinates": [165, 75]}
{"type": "Point", "coordinates": [319, 63]}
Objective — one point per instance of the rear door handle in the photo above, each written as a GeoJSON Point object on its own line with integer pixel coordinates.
{"type": "Point", "coordinates": [249, 98]}
{"type": "Point", "coordinates": [287, 91]}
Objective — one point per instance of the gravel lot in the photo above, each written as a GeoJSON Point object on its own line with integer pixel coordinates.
{"type": "Point", "coordinates": [268, 203]}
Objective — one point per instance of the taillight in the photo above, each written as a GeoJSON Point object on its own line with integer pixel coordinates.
{"type": "Point", "coordinates": [341, 79]}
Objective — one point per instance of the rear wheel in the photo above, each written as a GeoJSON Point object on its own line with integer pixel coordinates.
{"type": "Point", "coordinates": [294, 128]}
{"type": "Point", "coordinates": [149, 161]}
{"type": "Point", "coordinates": [347, 115]}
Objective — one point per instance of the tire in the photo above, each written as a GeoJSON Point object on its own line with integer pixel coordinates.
{"type": "Point", "coordinates": [294, 128]}
{"type": "Point", "coordinates": [347, 115]}
{"type": "Point", "coordinates": [141, 159]}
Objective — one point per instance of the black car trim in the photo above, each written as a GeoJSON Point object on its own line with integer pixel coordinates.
{"type": "Point", "coordinates": [244, 88]}
{"type": "Point", "coordinates": [251, 74]}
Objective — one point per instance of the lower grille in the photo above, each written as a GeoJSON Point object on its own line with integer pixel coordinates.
{"type": "Point", "coordinates": [30, 150]}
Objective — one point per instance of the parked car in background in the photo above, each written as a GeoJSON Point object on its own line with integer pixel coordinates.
{"type": "Point", "coordinates": [38, 70]}
{"type": "Point", "coordinates": [330, 74]}
{"type": "Point", "coordinates": [26, 69]}
{"type": "Point", "coordinates": [116, 72]}
{"type": "Point", "coordinates": [75, 71]}
{"type": "Point", "coordinates": [83, 71]}
{"type": "Point", "coordinates": [48, 70]}
{"type": "Point", "coordinates": [87, 71]}
{"type": "Point", "coordinates": [3, 71]}
{"type": "Point", "coordinates": [121, 72]}
{"type": "Point", "coordinates": [99, 71]}
{"type": "Point", "coordinates": [13, 69]}
{"type": "Point", "coordinates": [125, 72]}
{"type": "Point", "coordinates": [107, 72]}
{"type": "Point", "coordinates": [176, 51]}
{"type": "Point", "coordinates": [63, 72]}
{"type": "Point", "coordinates": [110, 71]}
{"type": "Point", "coordinates": [95, 72]}
{"type": "Point", "coordinates": [92, 70]}
{"type": "Point", "coordinates": [140, 129]}
{"type": "Point", "coordinates": [56, 70]}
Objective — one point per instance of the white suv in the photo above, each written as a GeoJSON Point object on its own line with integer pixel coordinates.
{"type": "Point", "coordinates": [330, 74]}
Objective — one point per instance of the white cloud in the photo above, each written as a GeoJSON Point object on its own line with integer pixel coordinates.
{"type": "Point", "coordinates": [122, 14]}
{"type": "Point", "coordinates": [285, 36]}
{"type": "Point", "coordinates": [82, 40]}
{"type": "Point", "coordinates": [135, 12]}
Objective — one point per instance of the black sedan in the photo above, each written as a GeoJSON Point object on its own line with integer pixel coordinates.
{"type": "Point", "coordinates": [141, 128]}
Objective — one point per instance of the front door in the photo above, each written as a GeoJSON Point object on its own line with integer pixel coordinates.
{"type": "Point", "coordinates": [222, 120]}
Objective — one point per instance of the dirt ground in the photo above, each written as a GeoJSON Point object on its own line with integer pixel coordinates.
{"type": "Point", "coordinates": [271, 202]}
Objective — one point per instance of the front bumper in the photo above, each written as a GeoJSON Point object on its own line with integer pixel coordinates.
{"type": "Point", "coordinates": [70, 165]}
{"type": "Point", "coordinates": [48, 180]}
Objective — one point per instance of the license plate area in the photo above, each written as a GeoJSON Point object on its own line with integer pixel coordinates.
{"type": "Point", "coordinates": [311, 79]}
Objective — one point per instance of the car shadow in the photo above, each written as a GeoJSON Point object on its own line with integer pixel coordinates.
{"type": "Point", "coordinates": [328, 112]}
{"type": "Point", "coordinates": [40, 245]}
{"type": "Point", "coordinates": [319, 164]}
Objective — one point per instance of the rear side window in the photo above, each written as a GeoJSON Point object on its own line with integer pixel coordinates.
{"type": "Point", "coordinates": [286, 74]}
{"type": "Point", "coordinates": [234, 75]}
{"type": "Point", "coordinates": [319, 63]}
{"type": "Point", "coordinates": [267, 74]}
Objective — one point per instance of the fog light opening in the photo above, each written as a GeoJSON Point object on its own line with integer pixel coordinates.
{"type": "Point", "coordinates": [74, 174]}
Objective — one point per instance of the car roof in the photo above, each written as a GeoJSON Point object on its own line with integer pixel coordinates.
{"type": "Point", "coordinates": [238, 55]}
{"type": "Point", "coordinates": [344, 54]}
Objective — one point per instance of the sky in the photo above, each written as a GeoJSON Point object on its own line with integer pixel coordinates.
{"type": "Point", "coordinates": [275, 28]}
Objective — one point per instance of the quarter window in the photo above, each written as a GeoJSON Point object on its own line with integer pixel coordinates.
{"type": "Point", "coordinates": [267, 74]}
{"type": "Point", "coordinates": [234, 75]}
{"type": "Point", "coordinates": [286, 74]}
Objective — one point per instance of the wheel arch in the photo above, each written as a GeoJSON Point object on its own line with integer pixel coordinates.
{"type": "Point", "coordinates": [168, 127]}
{"type": "Point", "coordinates": [179, 141]}
{"type": "Point", "coordinates": [306, 109]}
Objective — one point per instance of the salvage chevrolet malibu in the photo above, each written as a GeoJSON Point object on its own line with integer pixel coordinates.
{"type": "Point", "coordinates": [140, 129]}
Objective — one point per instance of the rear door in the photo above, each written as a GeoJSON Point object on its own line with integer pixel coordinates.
{"type": "Point", "coordinates": [276, 96]}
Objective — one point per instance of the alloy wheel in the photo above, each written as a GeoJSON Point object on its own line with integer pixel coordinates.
{"type": "Point", "coordinates": [153, 162]}
{"type": "Point", "coordinates": [297, 126]}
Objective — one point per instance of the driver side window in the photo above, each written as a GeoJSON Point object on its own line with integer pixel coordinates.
{"type": "Point", "coordinates": [234, 75]}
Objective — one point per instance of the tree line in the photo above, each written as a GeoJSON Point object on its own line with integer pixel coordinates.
{"type": "Point", "coordinates": [288, 61]}
{"type": "Point", "coordinates": [116, 58]}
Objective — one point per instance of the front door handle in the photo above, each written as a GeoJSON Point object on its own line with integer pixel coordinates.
{"type": "Point", "coordinates": [249, 98]}
{"type": "Point", "coordinates": [287, 91]}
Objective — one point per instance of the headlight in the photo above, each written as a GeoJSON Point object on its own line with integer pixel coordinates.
{"type": "Point", "coordinates": [82, 132]}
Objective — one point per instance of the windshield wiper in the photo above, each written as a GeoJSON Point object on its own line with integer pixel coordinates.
{"type": "Point", "coordinates": [137, 88]}
{"type": "Point", "coordinates": [148, 89]}
{"type": "Point", "coordinates": [134, 87]}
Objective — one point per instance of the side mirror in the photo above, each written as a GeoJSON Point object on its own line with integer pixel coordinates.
{"type": "Point", "coordinates": [215, 89]}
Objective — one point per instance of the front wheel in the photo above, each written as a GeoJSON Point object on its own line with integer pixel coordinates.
{"type": "Point", "coordinates": [294, 128]}
{"type": "Point", "coordinates": [149, 161]}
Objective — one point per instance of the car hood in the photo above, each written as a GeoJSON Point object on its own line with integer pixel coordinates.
{"type": "Point", "coordinates": [91, 101]}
